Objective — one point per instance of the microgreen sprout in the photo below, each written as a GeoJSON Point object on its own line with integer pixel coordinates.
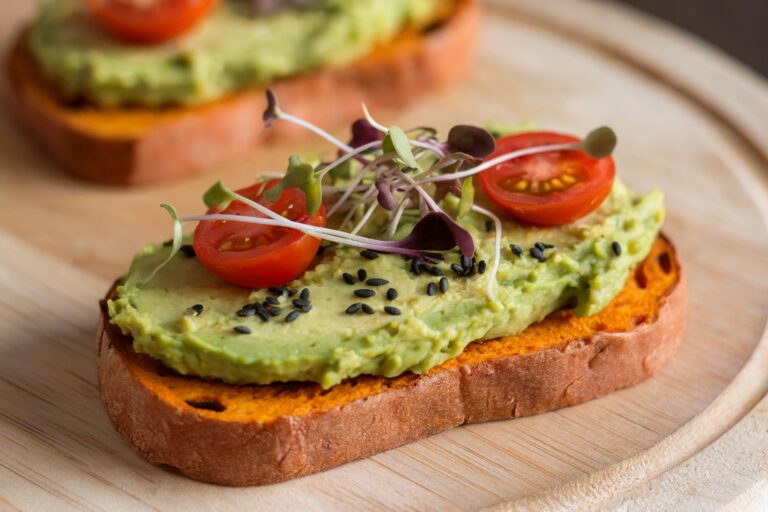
{"type": "Point", "coordinates": [496, 250]}
{"type": "Point", "coordinates": [389, 190]}
{"type": "Point", "coordinates": [178, 234]}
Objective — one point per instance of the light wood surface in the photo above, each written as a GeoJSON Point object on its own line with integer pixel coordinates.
{"type": "Point", "coordinates": [689, 121]}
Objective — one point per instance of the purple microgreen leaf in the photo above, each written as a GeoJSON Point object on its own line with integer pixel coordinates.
{"type": "Point", "coordinates": [599, 143]}
{"type": "Point", "coordinates": [272, 112]}
{"type": "Point", "coordinates": [467, 197]}
{"type": "Point", "coordinates": [396, 140]}
{"type": "Point", "coordinates": [218, 196]}
{"type": "Point", "coordinates": [472, 140]}
{"type": "Point", "coordinates": [437, 231]}
{"type": "Point", "coordinates": [299, 175]}
{"type": "Point", "coordinates": [178, 234]}
{"type": "Point", "coordinates": [363, 132]}
{"type": "Point", "coordinates": [385, 196]}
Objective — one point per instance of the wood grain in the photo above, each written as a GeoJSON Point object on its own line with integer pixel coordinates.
{"type": "Point", "coordinates": [690, 122]}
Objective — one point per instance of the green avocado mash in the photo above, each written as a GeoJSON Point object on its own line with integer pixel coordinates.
{"type": "Point", "coordinates": [228, 51]}
{"type": "Point", "coordinates": [327, 345]}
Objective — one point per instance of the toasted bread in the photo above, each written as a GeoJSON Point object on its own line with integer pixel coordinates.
{"type": "Point", "coordinates": [252, 435]}
{"type": "Point", "coordinates": [140, 146]}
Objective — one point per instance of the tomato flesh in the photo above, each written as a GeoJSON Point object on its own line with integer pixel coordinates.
{"type": "Point", "coordinates": [148, 21]}
{"type": "Point", "coordinates": [547, 189]}
{"type": "Point", "coordinates": [258, 256]}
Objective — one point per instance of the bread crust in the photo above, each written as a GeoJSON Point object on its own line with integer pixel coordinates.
{"type": "Point", "coordinates": [141, 146]}
{"type": "Point", "coordinates": [255, 453]}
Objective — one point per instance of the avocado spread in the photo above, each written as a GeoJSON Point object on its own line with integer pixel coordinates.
{"type": "Point", "coordinates": [230, 50]}
{"type": "Point", "coordinates": [585, 263]}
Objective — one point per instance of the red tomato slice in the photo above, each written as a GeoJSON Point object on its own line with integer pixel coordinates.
{"type": "Point", "coordinates": [547, 189]}
{"type": "Point", "coordinates": [148, 21]}
{"type": "Point", "coordinates": [257, 256]}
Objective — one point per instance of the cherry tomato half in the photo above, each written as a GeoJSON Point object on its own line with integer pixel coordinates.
{"type": "Point", "coordinates": [148, 21]}
{"type": "Point", "coordinates": [547, 189]}
{"type": "Point", "coordinates": [258, 256]}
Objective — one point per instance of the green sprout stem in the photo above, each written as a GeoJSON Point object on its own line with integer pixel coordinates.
{"type": "Point", "coordinates": [497, 249]}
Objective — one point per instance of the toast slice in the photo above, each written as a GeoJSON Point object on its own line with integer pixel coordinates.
{"type": "Point", "coordinates": [253, 435]}
{"type": "Point", "coordinates": [139, 146]}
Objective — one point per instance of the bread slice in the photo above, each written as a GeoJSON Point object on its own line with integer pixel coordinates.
{"type": "Point", "coordinates": [253, 435]}
{"type": "Point", "coordinates": [140, 146]}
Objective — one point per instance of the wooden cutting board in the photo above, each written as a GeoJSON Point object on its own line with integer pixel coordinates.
{"type": "Point", "coordinates": [690, 121]}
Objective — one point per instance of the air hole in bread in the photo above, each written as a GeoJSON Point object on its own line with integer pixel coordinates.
{"type": "Point", "coordinates": [207, 404]}
{"type": "Point", "coordinates": [665, 262]}
{"type": "Point", "coordinates": [640, 278]}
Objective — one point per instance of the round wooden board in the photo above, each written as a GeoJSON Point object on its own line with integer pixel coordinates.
{"type": "Point", "coordinates": [690, 121]}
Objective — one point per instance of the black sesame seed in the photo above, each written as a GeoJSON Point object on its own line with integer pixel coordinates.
{"type": "Point", "coordinates": [376, 281]}
{"type": "Point", "coordinates": [488, 226]}
{"type": "Point", "coordinates": [391, 310]}
{"type": "Point", "coordinates": [368, 310]}
{"type": "Point", "coordinates": [362, 274]}
{"type": "Point", "coordinates": [301, 304]}
{"type": "Point", "coordinates": [417, 266]}
{"type": "Point", "coordinates": [272, 300]}
{"type": "Point", "coordinates": [354, 308]}
{"type": "Point", "coordinates": [434, 271]}
{"type": "Point", "coordinates": [293, 315]}
{"type": "Point", "coordinates": [538, 254]}
{"type": "Point", "coordinates": [242, 329]}
{"type": "Point", "coordinates": [188, 250]}
{"type": "Point", "coordinates": [391, 294]}
{"type": "Point", "coordinates": [443, 285]}
{"type": "Point", "coordinates": [292, 291]}
{"type": "Point", "coordinates": [547, 246]}
{"type": "Point", "coordinates": [261, 311]}
{"type": "Point", "coordinates": [516, 249]}
{"type": "Point", "coordinates": [277, 290]}
{"type": "Point", "coordinates": [274, 311]}
{"type": "Point", "coordinates": [539, 246]}
{"type": "Point", "coordinates": [365, 293]}
{"type": "Point", "coordinates": [304, 295]}
{"type": "Point", "coordinates": [348, 278]}
{"type": "Point", "coordinates": [458, 269]}
{"type": "Point", "coordinates": [245, 312]}
{"type": "Point", "coordinates": [196, 310]}
{"type": "Point", "coordinates": [481, 266]}
{"type": "Point", "coordinates": [369, 255]}
{"type": "Point", "coordinates": [466, 263]}
{"type": "Point", "coordinates": [616, 246]}
{"type": "Point", "coordinates": [431, 289]}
